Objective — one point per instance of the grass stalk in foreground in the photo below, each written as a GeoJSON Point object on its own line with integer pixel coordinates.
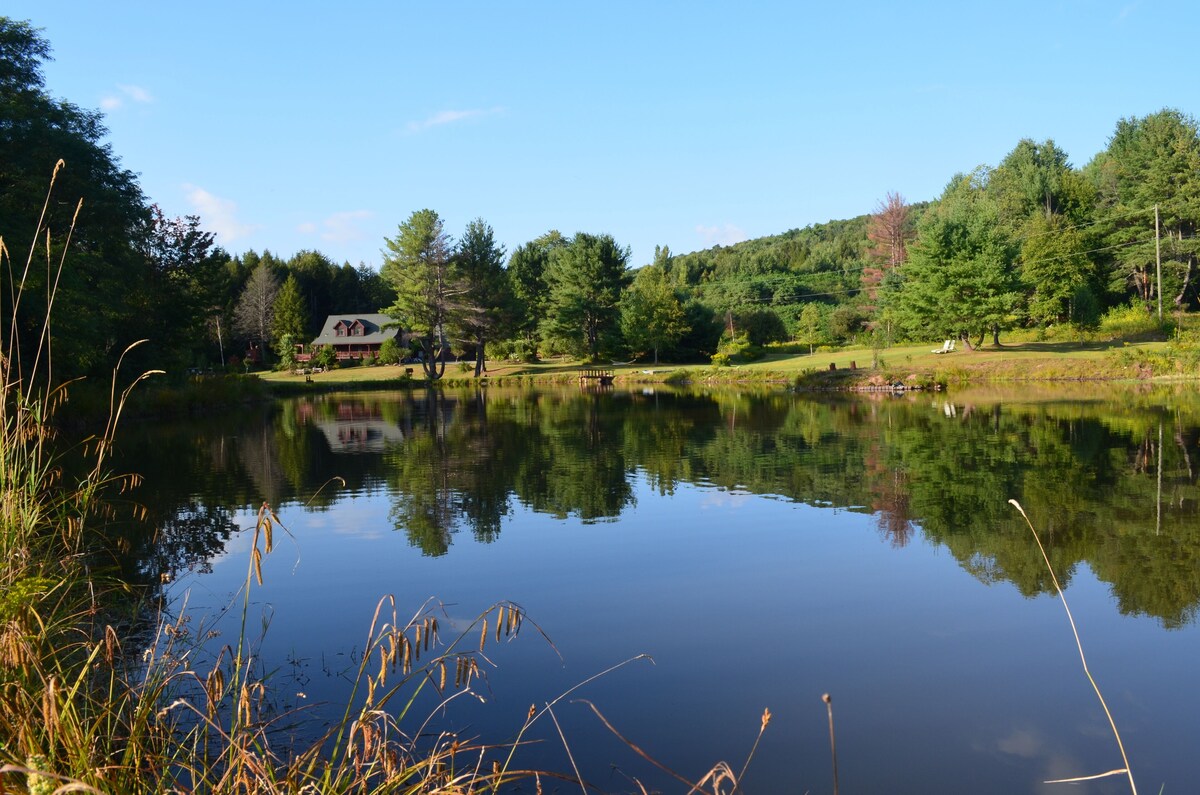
{"type": "Point", "coordinates": [1083, 659]}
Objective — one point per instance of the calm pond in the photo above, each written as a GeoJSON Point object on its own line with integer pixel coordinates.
{"type": "Point", "coordinates": [763, 549]}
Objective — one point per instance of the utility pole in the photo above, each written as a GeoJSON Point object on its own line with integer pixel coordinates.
{"type": "Point", "coordinates": [1157, 264]}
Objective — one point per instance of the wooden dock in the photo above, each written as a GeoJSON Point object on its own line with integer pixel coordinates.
{"type": "Point", "coordinates": [601, 377]}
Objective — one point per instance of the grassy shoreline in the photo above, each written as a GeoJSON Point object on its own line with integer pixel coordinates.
{"type": "Point", "coordinates": [840, 369]}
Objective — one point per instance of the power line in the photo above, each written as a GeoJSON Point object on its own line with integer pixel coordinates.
{"type": "Point", "coordinates": [808, 295]}
{"type": "Point", "coordinates": [1062, 229]}
{"type": "Point", "coordinates": [767, 278]}
{"type": "Point", "coordinates": [1089, 251]}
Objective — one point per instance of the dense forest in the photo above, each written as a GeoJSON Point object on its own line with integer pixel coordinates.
{"type": "Point", "coordinates": [1034, 241]}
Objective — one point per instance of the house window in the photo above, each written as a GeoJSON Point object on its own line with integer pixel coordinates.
{"type": "Point", "coordinates": [341, 331]}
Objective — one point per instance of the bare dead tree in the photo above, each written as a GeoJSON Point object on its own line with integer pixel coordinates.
{"type": "Point", "coordinates": [888, 232]}
{"type": "Point", "coordinates": [256, 307]}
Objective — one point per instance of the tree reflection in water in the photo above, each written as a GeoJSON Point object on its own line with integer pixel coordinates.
{"type": "Point", "coordinates": [1110, 481]}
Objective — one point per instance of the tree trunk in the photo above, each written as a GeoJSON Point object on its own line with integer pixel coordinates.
{"type": "Point", "coordinates": [427, 359]}
{"type": "Point", "coordinates": [1187, 278]}
{"type": "Point", "coordinates": [434, 361]}
{"type": "Point", "coordinates": [480, 365]}
{"type": "Point", "coordinates": [996, 335]}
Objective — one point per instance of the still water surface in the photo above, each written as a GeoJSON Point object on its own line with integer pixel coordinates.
{"type": "Point", "coordinates": [762, 549]}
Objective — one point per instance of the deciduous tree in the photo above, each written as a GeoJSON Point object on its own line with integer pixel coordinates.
{"type": "Point", "coordinates": [959, 279]}
{"type": "Point", "coordinates": [107, 274]}
{"type": "Point", "coordinates": [255, 311]}
{"type": "Point", "coordinates": [1055, 268]}
{"type": "Point", "coordinates": [651, 314]}
{"type": "Point", "coordinates": [813, 327]}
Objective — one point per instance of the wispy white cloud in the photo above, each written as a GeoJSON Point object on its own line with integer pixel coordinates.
{"type": "Point", "coordinates": [450, 117]}
{"type": "Point", "coordinates": [125, 93]}
{"type": "Point", "coordinates": [725, 235]}
{"type": "Point", "coordinates": [343, 227]}
{"type": "Point", "coordinates": [136, 93]}
{"type": "Point", "coordinates": [217, 214]}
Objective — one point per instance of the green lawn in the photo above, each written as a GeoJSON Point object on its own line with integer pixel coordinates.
{"type": "Point", "coordinates": [1021, 359]}
{"type": "Point", "coordinates": [921, 357]}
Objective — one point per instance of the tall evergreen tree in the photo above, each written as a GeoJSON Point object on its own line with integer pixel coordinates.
{"type": "Point", "coordinates": [585, 280]}
{"type": "Point", "coordinates": [418, 265]}
{"type": "Point", "coordinates": [290, 316]}
{"type": "Point", "coordinates": [527, 282]}
{"type": "Point", "coordinates": [486, 304]}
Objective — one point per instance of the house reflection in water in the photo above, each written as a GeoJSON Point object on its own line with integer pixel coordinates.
{"type": "Point", "coordinates": [355, 428]}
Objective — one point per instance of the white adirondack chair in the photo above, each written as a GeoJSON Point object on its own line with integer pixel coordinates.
{"type": "Point", "coordinates": [947, 347]}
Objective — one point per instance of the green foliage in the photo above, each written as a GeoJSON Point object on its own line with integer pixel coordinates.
{"type": "Point", "coordinates": [1151, 161]}
{"type": "Point", "coordinates": [390, 352]}
{"type": "Point", "coordinates": [486, 301]}
{"type": "Point", "coordinates": [1055, 267]}
{"type": "Point", "coordinates": [586, 279]}
{"type": "Point", "coordinates": [285, 351]}
{"type": "Point", "coordinates": [959, 279]}
{"type": "Point", "coordinates": [812, 328]}
{"type": "Point", "coordinates": [528, 286]}
{"type": "Point", "coordinates": [1130, 322]}
{"type": "Point", "coordinates": [1037, 180]}
{"type": "Point", "coordinates": [182, 290]}
{"type": "Point", "coordinates": [761, 326]}
{"type": "Point", "coordinates": [110, 284]}
{"type": "Point", "coordinates": [700, 342]}
{"type": "Point", "coordinates": [290, 318]}
{"type": "Point", "coordinates": [846, 322]}
{"type": "Point", "coordinates": [737, 349]}
{"type": "Point", "coordinates": [515, 350]}
{"type": "Point", "coordinates": [678, 377]}
{"type": "Point", "coordinates": [651, 315]}
{"type": "Point", "coordinates": [1085, 308]}
{"type": "Point", "coordinates": [325, 356]}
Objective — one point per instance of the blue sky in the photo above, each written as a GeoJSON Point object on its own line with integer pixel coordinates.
{"type": "Point", "coordinates": [320, 126]}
